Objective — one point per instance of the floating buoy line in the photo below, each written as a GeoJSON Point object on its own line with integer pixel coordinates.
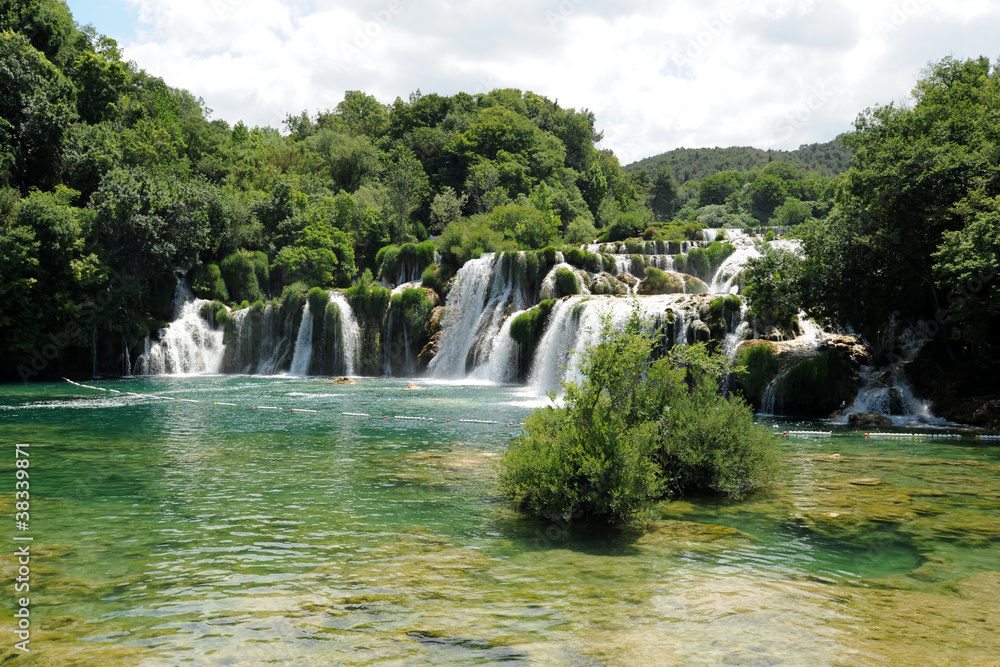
{"type": "Point", "coordinates": [365, 415]}
{"type": "Point", "coordinates": [272, 408]}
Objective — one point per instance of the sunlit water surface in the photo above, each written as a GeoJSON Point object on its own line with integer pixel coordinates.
{"type": "Point", "coordinates": [172, 533]}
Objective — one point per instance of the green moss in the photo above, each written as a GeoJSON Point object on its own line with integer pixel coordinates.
{"type": "Point", "coordinates": [528, 326]}
{"type": "Point", "coordinates": [758, 365]}
{"type": "Point", "coordinates": [317, 298]}
{"type": "Point", "coordinates": [659, 282]}
{"type": "Point", "coordinates": [387, 260]}
{"type": "Point", "coordinates": [576, 257]}
{"type": "Point", "coordinates": [222, 317]}
{"type": "Point", "coordinates": [548, 254]}
{"type": "Point", "coordinates": [567, 282]}
{"type": "Point", "coordinates": [610, 263]}
{"type": "Point", "coordinates": [432, 278]}
{"type": "Point", "coordinates": [681, 263]}
{"type": "Point", "coordinates": [638, 263]}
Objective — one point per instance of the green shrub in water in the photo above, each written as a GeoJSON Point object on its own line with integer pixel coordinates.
{"type": "Point", "coordinates": [636, 431]}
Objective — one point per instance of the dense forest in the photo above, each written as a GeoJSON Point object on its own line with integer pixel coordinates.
{"type": "Point", "coordinates": [831, 158]}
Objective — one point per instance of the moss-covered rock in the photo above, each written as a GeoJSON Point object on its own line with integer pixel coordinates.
{"type": "Point", "coordinates": [660, 282]}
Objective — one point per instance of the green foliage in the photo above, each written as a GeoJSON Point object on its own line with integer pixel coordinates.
{"type": "Point", "coordinates": [433, 278]}
{"type": "Point", "coordinates": [317, 297]}
{"type": "Point", "coordinates": [771, 284]}
{"type": "Point", "coordinates": [659, 282]}
{"type": "Point", "coordinates": [703, 262]}
{"type": "Point", "coordinates": [548, 253]}
{"type": "Point", "coordinates": [528, 326]}
{"type": "Point", "coordinates": [791, 212]}
{"type": "Point", "coordinates": [633, 432]}
{"type": "Point", "coordinates": [567, 282]}
{"type": "Point", "coordinates": [758, 365]}
{"type": "Point", "coordinates": [207, 283]}
{"type": "Point", "coordinates": [240, 277]}
{"type": "Point", "coordinates": [293, 297]}
{"type": "Point", "coordinates": [694, 164]}
{"type": "Point", "coordinates": [414, 306]}
{"type": "Point", "coordinates": [468, 238]}
{"type": "Point", "coordinates": [321, 255]}
{"type": "Point", "coordinates": [525, 225]}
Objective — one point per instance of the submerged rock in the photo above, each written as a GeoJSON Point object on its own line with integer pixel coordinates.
{"type": "Point", "coordinates": [344, 381]}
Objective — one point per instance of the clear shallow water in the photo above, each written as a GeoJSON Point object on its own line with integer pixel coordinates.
{"type": "Point", "coordinates": [180, 533]}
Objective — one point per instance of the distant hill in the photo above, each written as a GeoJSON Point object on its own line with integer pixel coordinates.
{"type": "Point", "coordinates": [693, 164]}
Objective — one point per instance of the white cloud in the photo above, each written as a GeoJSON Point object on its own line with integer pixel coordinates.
{"type": "Point", "coordinates": [658, 75]}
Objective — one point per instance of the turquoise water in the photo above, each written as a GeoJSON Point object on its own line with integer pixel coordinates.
{"type": "Point", "coordinates": [170, 532]}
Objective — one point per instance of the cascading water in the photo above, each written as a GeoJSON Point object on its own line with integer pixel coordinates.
{"type": "Point", "coordinates": [886, 391]}
{"type": "Point", "coordinates": [485, 292]}
{"type": "Point", "coordinates": [303, 345]}
{"type": "Point", "coordinates": [347, 334]}
{"type": "Point", "coordinates": [189, 345]}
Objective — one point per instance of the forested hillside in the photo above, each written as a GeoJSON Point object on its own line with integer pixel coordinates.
{"type": "Point", "coordinates": [693, 164]}
{"type": "Point", "coordinates": [111, 180]}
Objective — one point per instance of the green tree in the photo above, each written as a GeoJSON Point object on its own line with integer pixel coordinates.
{"type": "Point", "coordinates": [321, 256]}
{"type": "Point", "coordinates": [633, 431]}
{"type": "Point", "coordinates": [663, 193]}
{"type": "Point", "coordinates": [406, 185]}
{"type": "Point", "coordinates": [767, 192]}
{"type": "Point", "coordinates": [36, 106]}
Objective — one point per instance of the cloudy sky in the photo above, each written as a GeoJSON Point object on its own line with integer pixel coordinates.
{"type": "Point", "coordinates": [658, 75]}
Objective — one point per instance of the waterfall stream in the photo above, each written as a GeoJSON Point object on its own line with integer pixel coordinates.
{"type": "Point", "coordinates": [189, 345]}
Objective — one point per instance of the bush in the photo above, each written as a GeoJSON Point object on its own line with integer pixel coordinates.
{"type": "Point", "coordinates": [207, 283]}
{"type": "Point", "coordinates": [660, 282]}
{"type": "Point", "coordinates": [567, 282]}
{"type": "Point", "coordinates": [635, 431]}
{"type": "Point", "coordinates": [317, 298]}
{"type": "Point", "coordinates": [293, 297]}
{"type": "Point", "coordinates": [241, 277]}
{"type": "Point", "coordinates": [580, 230]}
{"type": "Point", "coordinates": [431, 278]}
{"type": "Point", "coordinates": [548, 253]}
{"type": "Point", "coordinates": [528, 325]}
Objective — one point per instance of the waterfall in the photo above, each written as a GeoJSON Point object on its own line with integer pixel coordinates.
{"type": "Point", "coordinates": [501, 368]}
{"type": "Point", "coordinates": [485, 291]}
{"type": "Point", "coordinates": [126, 358]}
{"type": "Point", "coordinates": [303, 345]}
{"type": "Point", "coordinates": [557, 343]}
{"type": "Point", "coordinates": [347, 335]}
{"type": "Point", "coordinates": [575, 324]}
{"type": "Point", "coordinates": [188, 345]}
{"type": "Point", "coordinates": [886, 391]}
